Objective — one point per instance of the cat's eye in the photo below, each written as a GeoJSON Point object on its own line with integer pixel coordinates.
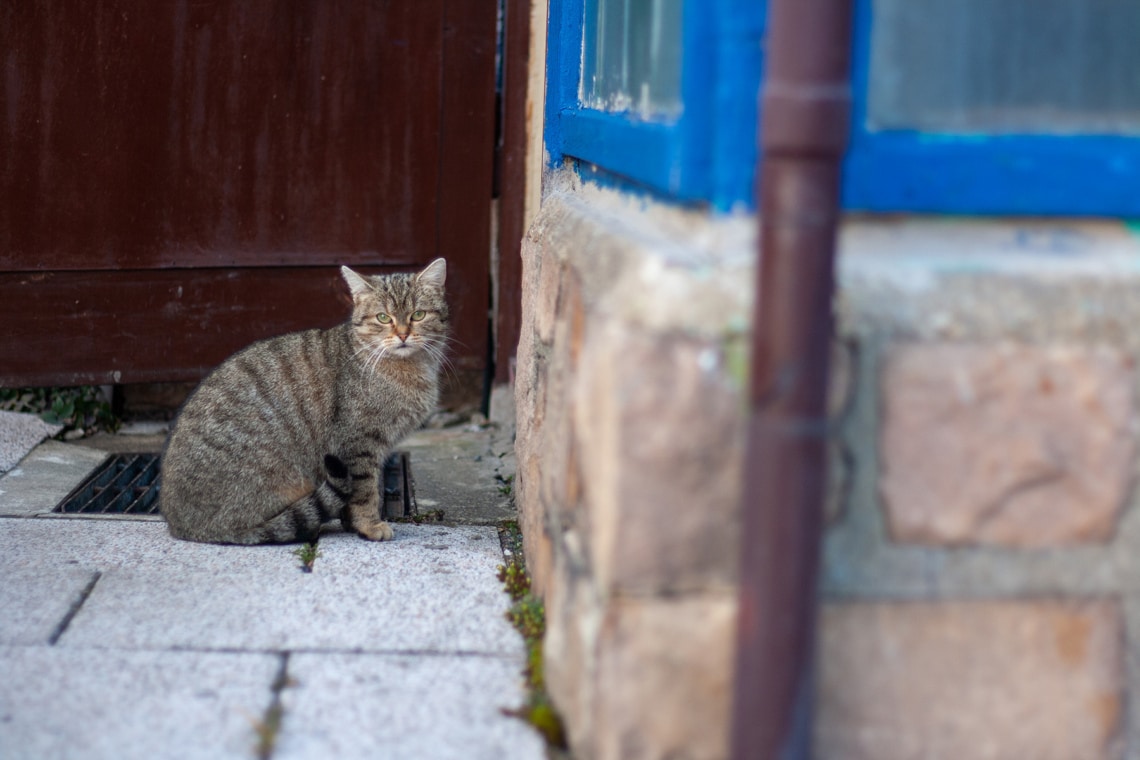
{"type": "Point", "coordinates": [383, 319]}
{"type": "Point", "coordinates": [418, 315]}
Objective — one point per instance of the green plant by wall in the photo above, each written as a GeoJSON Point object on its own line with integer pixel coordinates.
{"type": "Point", "coordinates": [515, 580]}
{"type": "Point", "coordinates": [528, 615]}
{"type": "Point", "coordinates": [80, 408]}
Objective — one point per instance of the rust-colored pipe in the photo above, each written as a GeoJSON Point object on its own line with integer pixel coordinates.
{"type": "Point", "coordinates": [805, 107]}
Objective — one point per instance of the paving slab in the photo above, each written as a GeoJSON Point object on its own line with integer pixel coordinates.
{"type": "Point", "coordinates": [120, 641]}
{"type": "Point", "coordinates": [19, 434]}
{"type": "Point", "coordinates": [461, 471]}
{"type": "Point", "coordinates": [404, 708]}
{"type": "Point", "coordinates": [59, 703]}
{"type": "Point", "coordinates": [103, 544]}
{"type": "Point", "coordinates": [431, 589]}
{"type": "Point", "coordinates": [36, 601]}
{"type": "Point", "coordinates": [45, 476]}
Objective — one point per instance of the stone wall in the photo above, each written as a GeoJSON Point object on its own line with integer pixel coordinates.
{"type": "Point", "coordinates": [979, 591]}
{"type": "Point", "coordinates": [628, 398]}
{"type": "Point", "coordinates": [982, 558]}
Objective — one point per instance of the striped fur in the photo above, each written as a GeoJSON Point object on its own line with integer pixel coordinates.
{"type": "Point", "coordinates": [291, 432]}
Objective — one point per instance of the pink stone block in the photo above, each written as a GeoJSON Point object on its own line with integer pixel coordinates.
{"type": "Point", "coordinates": [1019, 446]}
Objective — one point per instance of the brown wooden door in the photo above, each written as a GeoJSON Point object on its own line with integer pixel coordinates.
{"type": "Point", "coordinates": [178, 179]}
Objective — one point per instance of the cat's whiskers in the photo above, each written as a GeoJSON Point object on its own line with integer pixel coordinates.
{"type": "Point", "coordinates": [377, 356]}
{"type": "Point", "coordinates": [451, 340]}
{"type": "Point", "coordinates": [365, 348]}
{"type": "Point", "coordinates": [437, 350]}
{"type": "Point", "coordinates": [373, 353]}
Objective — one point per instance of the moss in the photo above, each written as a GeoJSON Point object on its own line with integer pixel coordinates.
{"type": "Point", "coordinates": [528, 615]}
{"type": "Point", "coordinates": [515, 580]}
{"type": "Point", "coordinates": [512, 534]}
{"type": "Point", "coordinates": [267, 730]}
{"type": "Point", "coordinates": [431, 516]}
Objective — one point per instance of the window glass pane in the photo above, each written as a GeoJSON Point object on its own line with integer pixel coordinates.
{"type": "Point", "coordinates": [631, 57]}
{"type": "Point", "coordinates": [1005, 66]}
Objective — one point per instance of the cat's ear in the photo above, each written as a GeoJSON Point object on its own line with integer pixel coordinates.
{"type": "Point", "coordinates": [434, 273]}
{"type": "Point", "coordinates": [357, 284]}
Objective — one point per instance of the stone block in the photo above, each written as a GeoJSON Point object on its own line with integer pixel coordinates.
{"type": "Point", "coordinates": [664, 678]}
{"type": "Point", "coordinates": [528, 354]}
{"type": "Point", "coordinates": [979, 680]}
{"type": "Point", "coordinates": [554, 445]}
{"type": "Point", "coordinates": [527, 488]}
{"type": "Point", "coordinates": [530, 406]}
{"type": "Point", "coordinates": [660, 437]}
{"type": "Point", "coordinates": [529, 276]}
{"type": "Point", "coordinates": [573, 618]}
{"type": "Point", "coordinates": [538, 552]}
{"type": "Point", "coordinates": [561, 477]}
{"type": "Point", "coordinates": [526, 379]}
{"type": "Point", "coordinates": [530, 396]}
{"type": "Point", "coordinates": [549, 281]}
{"type": "Point", "coordinates": [571, 326]}
{"type": "Point", "coordinates": [638, 677]}
{"type": "Point", "coordinates": [1011, 445]}
{"type": "Point", "coordinates": [532, 524]}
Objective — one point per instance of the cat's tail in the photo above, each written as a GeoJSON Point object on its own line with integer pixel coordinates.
{"type": "Point", "coordinates": [301, 521]}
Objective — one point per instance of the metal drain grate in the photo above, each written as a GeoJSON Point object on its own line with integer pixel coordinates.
{"type": "Point", "coordinates": [125, 484]}
{"type": "Point", "coordinates": [128, 484]}
{"type": "Point", "coordinates": [399, 492]}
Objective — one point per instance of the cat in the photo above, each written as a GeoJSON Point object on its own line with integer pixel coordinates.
{"type": "Point", "coordinates": [292, 431]}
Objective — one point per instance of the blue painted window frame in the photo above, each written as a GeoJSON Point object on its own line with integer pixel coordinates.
{"type": "Point", "coordinates": [708, 153]}
{"type": "Point", "coordinates": [899, 170]}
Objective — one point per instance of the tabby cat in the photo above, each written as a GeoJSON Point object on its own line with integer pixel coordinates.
{"type": "Point", "coordinates": [292, 431]}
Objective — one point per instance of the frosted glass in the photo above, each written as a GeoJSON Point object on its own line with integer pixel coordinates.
{"type": "Point", "coordinates": [1006, 66]}
{"type": "Point", "coordinates": [632, 61]}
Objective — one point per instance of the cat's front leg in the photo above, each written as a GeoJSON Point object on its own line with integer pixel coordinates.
{"type": "Point", "coordinates": [362, 513]}
{"type": "Point", "coordinates": [373, 528]}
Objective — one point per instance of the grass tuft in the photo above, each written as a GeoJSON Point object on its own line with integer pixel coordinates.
{"type": "Point", "coordinates": [308, 554]}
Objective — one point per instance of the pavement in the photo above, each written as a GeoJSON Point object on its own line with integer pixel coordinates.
{"type": "Point", "coordinates": [117, 641]}
{"type": "Point", "coordinates": [19, 433]}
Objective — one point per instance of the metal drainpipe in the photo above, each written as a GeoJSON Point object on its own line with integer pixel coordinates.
{"type": "Point", "coordinates": [805, 112]}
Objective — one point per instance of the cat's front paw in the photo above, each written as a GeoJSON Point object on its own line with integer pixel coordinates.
{"type": "Point", "coordinates": [376, 530]}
